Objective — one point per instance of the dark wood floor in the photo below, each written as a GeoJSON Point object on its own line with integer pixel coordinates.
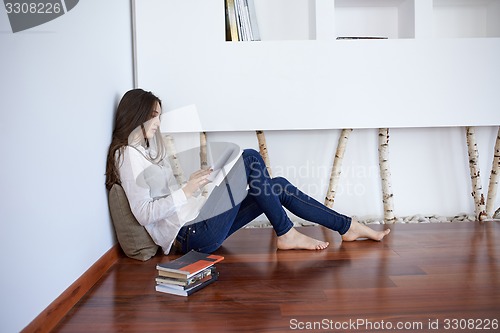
{"type": "Point", "coordinates": [419, 276]}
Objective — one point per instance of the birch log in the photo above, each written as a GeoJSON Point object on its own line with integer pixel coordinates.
{"type": "Point", "coordinates": [477, 189]}
{"type": "Point", "coordinates": [263, 150]}
{"type": "Point", "coordinates": [337, 167]}
{"type": "Point", "coordinates": [497, 214]}
{"type": "Point", "coordinates": [174, 161]}
{"type": "Point", "coordinates": [203, 157]}
{"type": "Point", "coordinates": [385, 175]}
{"type": "Point", "coordinates": [494, 175]}
{"type": "Point", "coordinates": [203, 150]}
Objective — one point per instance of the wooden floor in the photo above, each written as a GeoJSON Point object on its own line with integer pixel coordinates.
{"type": "Point", "coordinates": [420, 276]}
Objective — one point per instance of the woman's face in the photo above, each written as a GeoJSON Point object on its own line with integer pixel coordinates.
{"type": "Point", "coordinates": [153, 124]}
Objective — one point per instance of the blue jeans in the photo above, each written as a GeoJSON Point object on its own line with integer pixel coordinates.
{"type": "Point", "coordinates": [265, 195]}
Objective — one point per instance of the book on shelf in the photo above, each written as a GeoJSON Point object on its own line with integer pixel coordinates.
{"type": "Point", "coordinates": [231, 24]}
{"type": "Point", "coordinates": [253, 20]}
{"type": "Point", "coordinates": [188, 265]}
{"type": "Point", "coordinates": [181, 291]}
{"type": "Point", "coordinates": [241, 19]}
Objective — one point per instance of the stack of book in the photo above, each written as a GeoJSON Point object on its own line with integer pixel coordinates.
{"type": "Point", "coordinates": [187, 274]}
{"type": "Point", "coordinates": [241, 21]}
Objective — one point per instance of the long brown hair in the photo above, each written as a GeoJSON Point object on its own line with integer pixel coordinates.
{"type": "Point", "coordinates": [134, 109]}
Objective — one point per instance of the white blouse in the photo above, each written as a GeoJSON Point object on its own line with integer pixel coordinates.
{"type": "Point", "coordinates": [156, 199]}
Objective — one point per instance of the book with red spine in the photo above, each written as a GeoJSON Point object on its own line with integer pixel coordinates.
{"type": "Point", "coordinates": [188, 265]}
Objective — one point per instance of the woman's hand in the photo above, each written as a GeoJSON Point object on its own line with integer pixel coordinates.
{"type": "Point", "coordinates": [196, 181]}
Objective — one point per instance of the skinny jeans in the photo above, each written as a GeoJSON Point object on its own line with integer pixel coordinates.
{"type": "Point", "coordinates": [265, 195]}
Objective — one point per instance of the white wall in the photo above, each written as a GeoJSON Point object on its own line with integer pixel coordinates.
{"type": "Point", "coordinates": [60, 83]}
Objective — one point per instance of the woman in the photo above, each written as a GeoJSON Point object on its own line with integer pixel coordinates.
{"type": "Point", "coordinates": [137, 161]}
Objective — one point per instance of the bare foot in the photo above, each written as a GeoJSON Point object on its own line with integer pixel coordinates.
{"type": "Point", "coordinates": [358, 230]}
{"type": "Point", "coordinates": [294, 240]}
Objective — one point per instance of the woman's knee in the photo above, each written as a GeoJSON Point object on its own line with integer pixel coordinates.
{"type": "Point", "coordinates": [281, 185]}
{"type": "Point", "coordinates": [251, 153]}
{"type": "Point", "coordinates": [253, 161]}
{"type": "Point", "coordinates": [282, 181]}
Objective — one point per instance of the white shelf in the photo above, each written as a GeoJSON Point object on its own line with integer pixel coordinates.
{"type": "Point", "coordinates": [312, 84]}
{"type": "Point", "coordinates": [286, 19]}
{"type": "Point", "coordinates": [466, 18]}
{"type": "Point", "coordinates": [384, 18]}
{"type": "Point", "coordinates": [328, 19]}
{"type": "Point", "coordinates": [395, 19]}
